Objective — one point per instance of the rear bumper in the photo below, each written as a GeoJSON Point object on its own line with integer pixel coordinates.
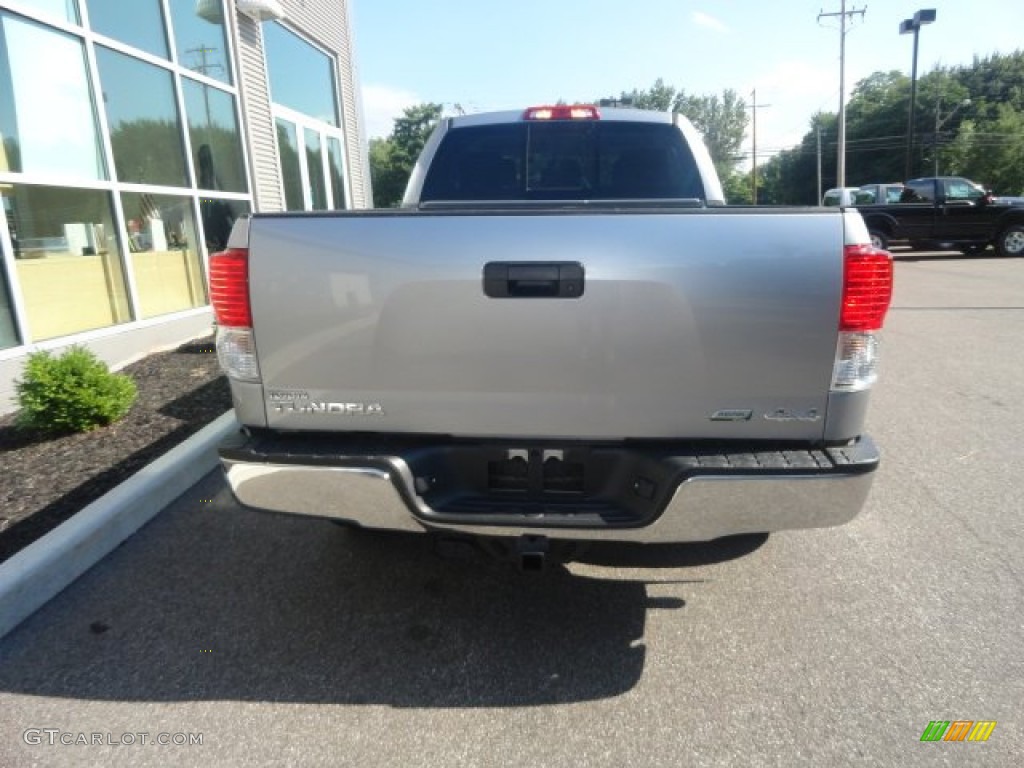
{"type": "Point", "coordinates": [658, 493]}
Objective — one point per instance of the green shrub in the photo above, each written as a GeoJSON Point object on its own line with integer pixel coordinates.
{"type": "Point", "coordinates": [74, 392]}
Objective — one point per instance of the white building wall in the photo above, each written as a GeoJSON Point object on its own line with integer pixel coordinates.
{"type": "Point", "coordinates": [328, 23]}
{"type": "Point", "coordinates": [258, 122]}
{"type": "Point", "coordinates": [325, 23]}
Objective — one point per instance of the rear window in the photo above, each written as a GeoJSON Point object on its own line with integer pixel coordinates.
{"type": "Point", "coordinates": [562, 160]}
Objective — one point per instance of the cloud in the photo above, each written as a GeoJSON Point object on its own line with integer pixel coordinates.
{"type": "Point", "coordinates": [708, 22]}
{"type": "Point", "coordinates": [792, 91]}
{"type": "Point", "coordinates": [803, 78]}
{"type": "Point", "coordinates": [381, 105]}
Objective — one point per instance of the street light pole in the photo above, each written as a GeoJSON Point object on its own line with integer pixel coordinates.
{"type": "Point", "coordinates": [910, 114]}
{"type": "Point", "coordinates": [926, 16]}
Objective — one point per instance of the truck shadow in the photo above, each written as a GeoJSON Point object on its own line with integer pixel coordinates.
{"type": "Point", "coordinates": [211, 602]}
{"type": "Point", "coordinates": [929, 256]}
{"type": "Point", "coordinates": [673, 555]}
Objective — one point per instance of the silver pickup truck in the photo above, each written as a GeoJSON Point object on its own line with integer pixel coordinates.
{"type": "Point", "coordinates": [563, 333]}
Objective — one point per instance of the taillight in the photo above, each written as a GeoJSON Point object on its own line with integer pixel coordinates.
{"type": "Point", "coordinates": [229, 288]}
{"type": "Point", "coordinates": [229, 294]}
{"type": "Point", "coordinates": [867, 292]}
{"type": "Point", "coordinates": [563, 112]}
{"type": "Point", "coordinates": [867, 288]}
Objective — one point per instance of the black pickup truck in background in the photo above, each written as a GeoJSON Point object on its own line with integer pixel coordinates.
{"type": "Point", "coordinates": [947, 212]}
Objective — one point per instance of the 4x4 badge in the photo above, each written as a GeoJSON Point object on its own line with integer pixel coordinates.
{"type": "Point", "coordinates": [786, 414]}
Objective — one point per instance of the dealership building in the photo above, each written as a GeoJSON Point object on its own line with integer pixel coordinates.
{"type": "Point", "coordinates": [133, 134]}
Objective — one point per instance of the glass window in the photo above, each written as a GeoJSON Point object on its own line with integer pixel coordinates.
{"type": "Point", "coordinates": [301, 76]}
{"type": "Point", "coordinates": [291, 175]}
{"type": "Point", "coordinates": [8, 331]}
{"type": "Point", "coordinates": [219, 217]}
{"type": "Point", "coordinates": [67, 259]}
{"type": "Point", "coordinates": [199, 37]}
{"type": "Point", "coordinates": [336, 167]}
{"type": "Point", "coordinates": [164, 251]}
{"type": "Point", "coordinates": [962, 189]}
{"type": "Point", "coordinates": [563, 161]}
{"type": "Point", "coordinates": [918, 192]}
{"type": "Point", "coordinates": [145, 128]}
{"type": "Point", "coordinates": [315, 171]}
{"type": "Point", "coordinates": [47, 119]}
{"type": "Point", "coordinates": [216, 142]}
{"type": "Point", "coordinates": [67, 10]}
{"type": "Point", "coordinates": [957, 189]}
{"type": "Point", "coordinates": [139, 23]}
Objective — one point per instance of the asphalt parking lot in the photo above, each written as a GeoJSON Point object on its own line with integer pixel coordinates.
{"type": "Point", "coordinates": [295, 642]}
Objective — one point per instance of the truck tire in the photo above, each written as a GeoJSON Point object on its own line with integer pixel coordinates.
{"type": "Point", "coordinates": [1011, 241]}
{"type": "Point", "coordinates": [879, 240]}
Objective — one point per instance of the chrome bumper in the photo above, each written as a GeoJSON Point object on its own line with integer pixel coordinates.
{"type": "Point", "coordinates": [703, 506]}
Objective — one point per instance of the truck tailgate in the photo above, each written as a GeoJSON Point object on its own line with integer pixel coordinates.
{"type": "Point", "coordinates": [691, 323]}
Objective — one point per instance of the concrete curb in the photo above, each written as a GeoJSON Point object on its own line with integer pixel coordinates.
{"type": "Point", "coordinates": [44, 568]}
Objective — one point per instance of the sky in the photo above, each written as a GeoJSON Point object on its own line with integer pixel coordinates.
{"type": "Point", "coordinates": [510, 54]}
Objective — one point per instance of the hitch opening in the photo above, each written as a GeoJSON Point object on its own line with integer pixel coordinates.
{"type": "Point", "coordinates": [533, 552]}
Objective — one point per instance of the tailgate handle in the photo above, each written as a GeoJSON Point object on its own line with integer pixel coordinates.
{"type": "Point", "coordinates": [533, 280]}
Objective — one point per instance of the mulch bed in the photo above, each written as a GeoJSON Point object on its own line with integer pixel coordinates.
{"type": "Point", "coordinates": [46, 479]}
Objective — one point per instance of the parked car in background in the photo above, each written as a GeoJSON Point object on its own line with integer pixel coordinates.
{"type": "Point", "coordinates": [947, 212]}
{"type": "Point", "coordinates": [869, 194]}
{"type": "Point", "coordinates": [840, 197]}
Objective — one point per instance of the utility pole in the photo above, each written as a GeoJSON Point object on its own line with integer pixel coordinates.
{"type": "Point", "coordinates": [843, 16]}
{"type": "Point", "coordinates": [204, 68]}
{"type": "Point", "coordinates": [818, 132]}
{"type": "Point", "coordinates": [754, 106]}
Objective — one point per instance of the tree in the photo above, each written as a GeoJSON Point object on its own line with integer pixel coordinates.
{"type": "Point", "coordinates": [392, 159]}
{"type": "Point", "coordinates": [876, 130]}
{"type": "Point", "coordinates": [659, 97]}
{"type": "Point", "coordinates": [737, 188]}
{"type": "Point", "coordinates": [722, 120]}
{"type": "Point", "coordinates": [992, 155]}
{"type": "Point", "coordinates": [388, 183]}
{"type": "Point", "coordinates": [983, 140]}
